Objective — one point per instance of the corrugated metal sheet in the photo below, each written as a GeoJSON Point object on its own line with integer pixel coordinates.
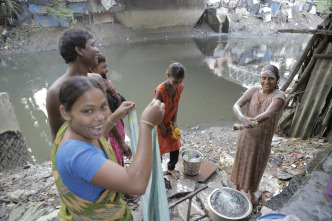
{"type": "Point", "coordinates": [95, 6]}
{"type": "Point", "coordinates": [311, 111]}
{"type": "Point", "coordinates": [37, 9]}
{"type": "Point", "coordinates": [78, 7]}
{"type": "Point", "coordinates": [50, 21]}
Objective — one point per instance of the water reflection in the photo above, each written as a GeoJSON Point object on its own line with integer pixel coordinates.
{"type": "Point", "coordinates": [217, 71]}
{"type": "Point", "coordinates": [240, 60]}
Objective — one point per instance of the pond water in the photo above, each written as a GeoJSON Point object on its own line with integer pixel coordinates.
{"type": "Point", "coordinates": [218, 71]}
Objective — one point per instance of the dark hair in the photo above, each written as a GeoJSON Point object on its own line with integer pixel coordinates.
{"type": "Point", "coordinates": [275, 70]}
{"type": "Point", "coordinates": [74, 88]}
{"type": "Point", "coordinates": [101, 58]}
{"type": "Point", "coordinates": [69, 40]}
{"type": "Point", "coordinates": [175, 70]}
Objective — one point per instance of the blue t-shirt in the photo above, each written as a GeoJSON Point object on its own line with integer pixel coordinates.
{"type": "Point", "coordinates": [77, 162]}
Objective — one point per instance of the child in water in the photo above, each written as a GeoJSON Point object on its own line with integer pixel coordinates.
{"type": "Point", "coordinates": [169, 92]}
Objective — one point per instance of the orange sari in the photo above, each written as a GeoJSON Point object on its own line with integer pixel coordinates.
{"type": "Point", "coordinates": [168, 144]}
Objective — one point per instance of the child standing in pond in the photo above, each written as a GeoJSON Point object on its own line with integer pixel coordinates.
{"type": "Point", "coordinates": [169, 92]}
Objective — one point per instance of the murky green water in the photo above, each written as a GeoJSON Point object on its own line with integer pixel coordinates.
{"type": "Point", "coordinates": [218, 70]}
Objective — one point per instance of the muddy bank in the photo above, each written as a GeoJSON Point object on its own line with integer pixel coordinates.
{"type": "Point", "coordinates": [31, 38]}
{"type": "Point", "coordinates": [29, 193]}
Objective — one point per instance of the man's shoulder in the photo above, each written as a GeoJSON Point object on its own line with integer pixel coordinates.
{"type": "Point", "coordinates": [54, 89]}
{"type": "Point", "coordinates": [56, 85]}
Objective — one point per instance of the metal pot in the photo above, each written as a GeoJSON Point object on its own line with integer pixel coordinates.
{"type": "Point", "coordinates": [228, 204]}
{"type": "Point", "coordinates": [189, 167]}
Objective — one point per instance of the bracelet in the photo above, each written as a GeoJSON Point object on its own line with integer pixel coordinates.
{"type": "Point", "coordinates": [109, 120]}
{"type": "Point", "coordinates": [147, 122]}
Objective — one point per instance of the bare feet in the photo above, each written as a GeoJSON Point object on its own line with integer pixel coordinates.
{"type": "Point", "coordinates": [176, 174]}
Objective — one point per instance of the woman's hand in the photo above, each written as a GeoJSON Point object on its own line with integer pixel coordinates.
{"type": "Point", "coordinates": [126, 150]}
{"type": "Point", "coordinates": [246, 122]}
{"type": "Point", "coordinates": [154, 112]}
{"type": "Point", "coordinates": [237, 127]}
{"type": "Point", "coordinates": [175, 125]}
{"type": "Point", "coordinates": [123, 109]}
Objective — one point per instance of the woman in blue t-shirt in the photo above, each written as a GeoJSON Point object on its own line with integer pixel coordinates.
{"type": "Point", "coordinates": [88, 179]}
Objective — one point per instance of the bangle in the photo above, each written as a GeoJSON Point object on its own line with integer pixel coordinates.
{"type": "Point", "coordinates": [147, 122]}
{"type": "Point", "coordinates": [109, 120]}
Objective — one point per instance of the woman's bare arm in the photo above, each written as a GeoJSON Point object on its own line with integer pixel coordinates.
{"type": "Point", "coordinates": [134, 179]}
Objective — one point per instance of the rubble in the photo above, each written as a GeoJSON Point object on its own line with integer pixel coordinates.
{"type": "Point", "coordinates": [30, 193]}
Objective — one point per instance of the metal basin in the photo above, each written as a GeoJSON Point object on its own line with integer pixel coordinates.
{"type": "Point", "coordinates": [228, 204]}
{"type": "Point", "coordinates": [191, 160]}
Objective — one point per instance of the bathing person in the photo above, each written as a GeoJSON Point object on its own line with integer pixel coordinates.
{"type": "Point", "coordinates": [88, 178]}
{"type": "Point", "coordinates": [169, 92]}
{"type": "Point", "coordinates": [259, 122]}
{"type": "Point", "coordinates": [116, 138]}
{"type": "Point", "coordinates": [77, 48]}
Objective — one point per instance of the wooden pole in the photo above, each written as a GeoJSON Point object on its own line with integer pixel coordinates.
{"type": "Point", "coordinates": [322, 45]}
{"type": "Point", "coordinates": [306, 31]}
{"type": "Point", "coordinates": [299, 63]}
{"type": "Point", "coordinates": [323, 56]}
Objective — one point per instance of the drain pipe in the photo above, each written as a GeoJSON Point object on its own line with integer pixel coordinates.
{"type": "Point", "coordinates": [190, 197]}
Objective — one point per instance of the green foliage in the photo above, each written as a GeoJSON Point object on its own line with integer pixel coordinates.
{"type": "Point", "coordinates": [7, 9]}
{"type": "Point", "coordinates": [280, 182]}
{"type": "Point", "coordinates": [59, 10]}
{"type": "Point", "coordinates": [323, 5]}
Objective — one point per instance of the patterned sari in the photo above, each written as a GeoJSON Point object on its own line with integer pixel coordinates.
{"type": "Point", "coordinates": [108, 206]}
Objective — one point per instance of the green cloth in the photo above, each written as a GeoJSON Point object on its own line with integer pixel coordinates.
{"type": "Point", "coordinates": [154, 201]}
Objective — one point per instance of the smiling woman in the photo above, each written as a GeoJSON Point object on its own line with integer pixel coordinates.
{"type": "Point", "coordinates": [84, 165]}
{"type": "Point", "coordinates": [265, 104]}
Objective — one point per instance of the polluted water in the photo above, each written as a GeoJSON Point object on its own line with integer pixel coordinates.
{"type": "Point", "coordinates": [229, 203]}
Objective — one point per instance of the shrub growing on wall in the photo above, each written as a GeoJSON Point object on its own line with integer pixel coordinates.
{"type": "Point", "coordinates": [8, 8]}
{"type": "Point", "coordinates": [59, 10]}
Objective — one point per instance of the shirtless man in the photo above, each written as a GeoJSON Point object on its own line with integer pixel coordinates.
{"type": "Point", "coordinates": [77, 47]}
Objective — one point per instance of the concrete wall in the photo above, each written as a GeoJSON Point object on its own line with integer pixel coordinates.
{"type": "Point", "coordinates": [160, 14]}
{"type": "Point", "coordinates": [13, 150]}
{"type": "Point", "coordinates": [217, 19]}
{"type": "Point", "coordinates": [8, 120]}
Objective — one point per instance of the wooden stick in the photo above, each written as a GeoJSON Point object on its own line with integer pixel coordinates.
{"type": "Point", "coordinates": [299, 63]}
{"type": "Point", "coordinates": [306, 31]}
{"type": "Point", "coordinates": [323, 56]}
{"type": "Point", "coordinates": [188, 196]}
{"type": "Point", "coordinates": [321, 46]}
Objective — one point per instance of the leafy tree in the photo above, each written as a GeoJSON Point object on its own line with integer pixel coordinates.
{"type": "Point", "coordinates": [323, 5]}
{"type": "Point", "coordinates": [8, 8]}
{"type": "Point", "coordinates": [59, 10]}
